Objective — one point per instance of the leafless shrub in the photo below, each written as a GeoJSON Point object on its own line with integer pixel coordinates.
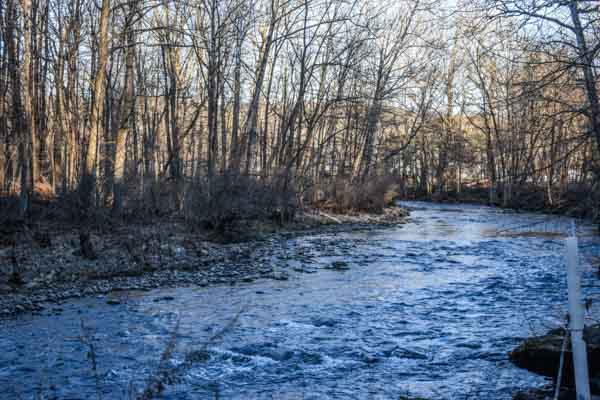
{"type": "Point", "coordinates": [159, 197]}
{"type": "Point", "coordinates": [77, 208]}
{"type": "Point", "coordinates": [165, 375]}
{"type": "Point", "coordinates": [229, 199]}
{"type": "Point", "coordinates": [10, 223]}
{"type": "Point", "coordinates": [156, 383]}
{"type": "Point", "coordinates": [371, 196]}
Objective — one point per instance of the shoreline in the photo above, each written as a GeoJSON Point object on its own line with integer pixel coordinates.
{"type": "Point", "coordinates": [528, 201]}
{"type": "Point", "coordinates": [151, 256]}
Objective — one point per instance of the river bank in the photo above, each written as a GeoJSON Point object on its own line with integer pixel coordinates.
{"type": "Point", "coordinates": [577, 202]}
{"type": "Point", "coordinates": [50, 265]}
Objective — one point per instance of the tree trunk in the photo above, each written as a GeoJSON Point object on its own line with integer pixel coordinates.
{"type": "Point", "coordinates": [127, 113]}
{"type": "Point", "coordinates": [97, 107]}
{"type": "Point", "coordinates": [29, 161]}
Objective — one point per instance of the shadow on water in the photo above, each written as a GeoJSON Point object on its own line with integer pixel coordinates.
{"type": "Point", "coordinates": [427, 309]}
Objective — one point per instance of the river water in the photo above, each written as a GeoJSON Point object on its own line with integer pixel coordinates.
{"type": "Point", "coordinates": [427, 309]}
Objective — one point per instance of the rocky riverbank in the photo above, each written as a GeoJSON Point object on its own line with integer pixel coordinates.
{"type": "Point", "coordinates": [51, 266]}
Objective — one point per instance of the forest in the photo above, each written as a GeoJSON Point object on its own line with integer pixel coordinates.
{"type": "Point", "coordinates": [215, 108]}
{"type": "Point", "coordinates": [299, 199]}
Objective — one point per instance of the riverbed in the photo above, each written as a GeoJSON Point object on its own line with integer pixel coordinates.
{"type": "Point", "coordinates": [426, 309]}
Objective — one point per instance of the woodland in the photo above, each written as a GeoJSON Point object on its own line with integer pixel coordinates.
{"type": "Point", "coordinates": [216, 110]}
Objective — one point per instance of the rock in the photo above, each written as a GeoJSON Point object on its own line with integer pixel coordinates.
{"type": "Point", "coordinates": [5, 288]}
{"type": "Point", "coordinates": [197, 356]}
{"type": "Point", "coordinates": [16, 279]}
{"type": "Point", "coordinates": [164, 298]}
{"type": "Point", "coordinates": [541, 355]}
{"type": "Point", "coordinates": [595, 384]}
{"type": "Point", "coordinates": [42, 239]}
{"type": "Point", "coordinates": [327, 322]}
{"type": "Point", "coordinates": [280, 276]}
{"type": "Point", "coordinates": [202, 252]}
{"type": "Point", "coordinates": [339, 265]}
{"type": "Point", "coordinates": [545, 393]}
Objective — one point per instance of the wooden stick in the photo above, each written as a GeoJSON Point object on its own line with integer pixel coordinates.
{"type": "Point", "coordinates": [330, 217]}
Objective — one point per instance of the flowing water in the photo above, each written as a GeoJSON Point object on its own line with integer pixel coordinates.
{"type": "Point", "coordinates": [427, 309]}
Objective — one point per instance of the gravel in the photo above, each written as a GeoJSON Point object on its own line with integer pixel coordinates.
{"type": "Point", "coordinates": [161, 255]}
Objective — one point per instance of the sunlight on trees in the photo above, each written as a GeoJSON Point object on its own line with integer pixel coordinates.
{"type": "Point", "coordinates": [151, 103]}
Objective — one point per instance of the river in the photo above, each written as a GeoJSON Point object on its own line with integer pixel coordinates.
{"type": "Point", "coordinates": [427, 309]}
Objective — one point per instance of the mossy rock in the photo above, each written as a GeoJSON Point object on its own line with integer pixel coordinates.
{"type": "Point", "coordinates": [541, 355]}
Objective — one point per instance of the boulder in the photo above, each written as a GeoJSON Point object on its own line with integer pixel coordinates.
{"type": "Point", "coordinates": [541, 355]}
{"type": "Point", "coordinates": [545, 393]}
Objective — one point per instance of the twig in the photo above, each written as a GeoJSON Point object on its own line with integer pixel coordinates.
{"type": "Point", "coordinates": [560, 364]}
{"type": "Point", "coordinates": [86, 339]}
{"type": "Point", "coordinates": [163, 375]}
{"type": "Point", "coordinates": [155, 384]}
{"type": "Point", "coordinates": [330, 217]}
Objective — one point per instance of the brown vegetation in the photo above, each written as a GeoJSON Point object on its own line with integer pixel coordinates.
{"type": "Point", "coordinates": [225, 111]}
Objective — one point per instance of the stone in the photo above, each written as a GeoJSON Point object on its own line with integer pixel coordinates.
{"type": "Point", "coordinates": [281, 276]}
{"type": "Point", "coordinates": [164, 298]}
{"type": "Point", "coordinates": [5, 288]}
{"type": "Point", "coordinates": [545, 393]}
{"type": "Point", "coordinates": [15, 279]}
{"type": "Point", "coordinates": [541, 355]}
{"type": "Point", "coordinates": [340, 265]}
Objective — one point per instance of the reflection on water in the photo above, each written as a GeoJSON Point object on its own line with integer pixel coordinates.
{"type": "Point", "coordinates": [426, 309]}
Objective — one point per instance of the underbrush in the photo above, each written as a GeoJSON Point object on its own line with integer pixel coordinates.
{"type": "Point", "coordinates": [230, 202]}
{"type": "Point", "coordinates": [579, 201]}
{"type": "Point", "coordinates": [372, 196]}
{"type": "Point", "coordinates": [228, 207]}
